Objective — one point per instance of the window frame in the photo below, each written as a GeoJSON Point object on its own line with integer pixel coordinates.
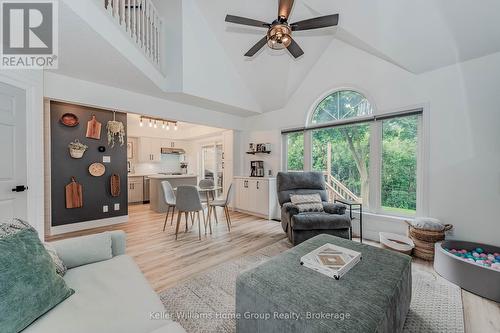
{"type": "Point", "coordinates": [375, 155]}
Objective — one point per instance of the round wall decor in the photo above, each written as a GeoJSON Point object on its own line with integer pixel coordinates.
{"type": "Point", "coordinates": [101, 149]}
{"type": "Point", "coordinates": [97, 169]}
{"type": "Point", "coordinates": [69, 119]}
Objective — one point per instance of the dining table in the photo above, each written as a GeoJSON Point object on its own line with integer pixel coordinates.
{"type": "Point", "coordinates": [209, 192]}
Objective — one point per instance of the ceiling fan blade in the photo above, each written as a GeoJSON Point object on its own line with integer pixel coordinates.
{"type": "Point", "coordinates": [295, 49]}
{"type": "Point", "coordinates": [246, 21]}
{"type": "Point", "coordinates": [260, 44]}
{"type": "Point", "coordinates": [285, 7]}
{"type": "Point", "coordinates": [316, 23]}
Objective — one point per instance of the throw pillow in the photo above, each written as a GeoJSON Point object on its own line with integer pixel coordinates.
{"type": "Point", "coordinates": [307, 202]}
{"type": "Point", "coordinates": [29, 284]}
{"type": "Point", "coordinates": [427, 223]}
{"type": "Point", "coordinates": [61, 269]}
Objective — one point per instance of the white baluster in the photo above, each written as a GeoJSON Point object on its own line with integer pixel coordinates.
{"type": "Point", "coordinates": [137, 14]}
{"type": "Point", "coordinates": [128, 16]}
{"type": "Point", "coordinates": [122, 12]}
{"type": "Point", "coordinates": [146, 26]}
{"type": "Point", "coordinates": [160, 42]}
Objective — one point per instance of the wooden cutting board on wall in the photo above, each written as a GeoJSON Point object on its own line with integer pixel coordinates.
{"type": "Point", "coordinates": [74, 194]}
{"type": "Point", "coordinates": [94, 129]}
{"type": "Point", "coordinates": [115, 185]}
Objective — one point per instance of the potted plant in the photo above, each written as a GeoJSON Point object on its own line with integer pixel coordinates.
{"type": "Point", "coordinates": [77, 149]}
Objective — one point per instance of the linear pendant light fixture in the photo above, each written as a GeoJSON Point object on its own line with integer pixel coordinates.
{"type": "Point", "coordinates": [155, 122]}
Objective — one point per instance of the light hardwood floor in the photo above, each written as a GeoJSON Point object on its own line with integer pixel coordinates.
{"type": "Point", "coordinates": [166, 262]}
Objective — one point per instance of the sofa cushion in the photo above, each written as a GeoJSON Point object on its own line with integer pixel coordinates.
{"type": "Point", "coordinates": [84, 250]}
{"type": "Point", "coordinates": [110, 296]}
{"type": "Point", "coordinates": [29, 284]}
{"type": "Point", "coordinates": [320, 221]}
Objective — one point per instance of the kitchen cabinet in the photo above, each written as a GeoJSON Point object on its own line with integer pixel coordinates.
{"type": "Point", "coordinates": [256, 196]}
{"type": "Point", "coordinates": [135, 189]}
{"type": "Point", "coordinates": [150, 149]}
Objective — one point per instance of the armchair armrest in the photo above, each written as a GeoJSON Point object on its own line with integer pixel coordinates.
{"type": "Point", "coordinates": [290, 209]}
{"type": "Point", "coordinates": [334, 208]}
{"type": "Point", "coordinates": [85, 250]}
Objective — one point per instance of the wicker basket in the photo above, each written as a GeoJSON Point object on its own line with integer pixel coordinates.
{"type": "Point", "coordinates": [76, 153]}
{"type": "Point", "coordinates": [423, 254]}
{"type": "Point", "coordinates": [425, 239]}
{"type": "Point", "coordinates": [429, 235]}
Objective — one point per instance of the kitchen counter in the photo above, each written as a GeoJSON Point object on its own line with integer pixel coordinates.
{"type": "Point", "coordinates": [159, 176]}
{"type": "Point", "coordinates": [130, 175]}
{"type": "Point", "coordinates": [157, 201]}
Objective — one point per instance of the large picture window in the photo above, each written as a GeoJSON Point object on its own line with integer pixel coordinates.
{"type": "Point", "coordinates": [366, 158]}
{"type": "Point", "coordinates": [399, 165]}
{"type": "Point", "coordinates": [295, 148]}
{"type": "Point", "coordinates": [343, 154]}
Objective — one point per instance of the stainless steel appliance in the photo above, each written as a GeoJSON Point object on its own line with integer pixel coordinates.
{"type": "Point", "coordinates": [145, 194]}
{"type": "Point", "coordinates": [173, 151]}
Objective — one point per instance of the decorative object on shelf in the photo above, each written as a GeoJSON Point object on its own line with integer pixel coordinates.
{"type": "Point", "coordinates": [74, 194]}
{"type": "Point", "coordinates": [69, 119]}
{"type": "Point", "coordinates": [77, 149]}
{"type": "Point", "coordinates": [93, 129]}
{"type": "Point", "coordinates": [97, 169]}
{"type": "Point", "coordinates": [259, 148]}
{"type": "Point", "coordinates": [115, 128]}
{"type": "Point", "coordinates": [101, 149]}
{"type": "Point", "coordinates": [425, 232]}
{"type": "Point", "coordinates": [130, 150]}
{"type": "Point", "coordinates": [114, 181]}
{"type": "Point", "coordinates": [257, 169]}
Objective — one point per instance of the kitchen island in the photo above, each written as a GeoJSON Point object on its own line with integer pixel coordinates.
{"type": "Point", "coordinates": [157, 201]}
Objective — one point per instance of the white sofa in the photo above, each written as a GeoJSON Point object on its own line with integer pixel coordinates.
{"type": "Point", "coordinates": [111, 295]}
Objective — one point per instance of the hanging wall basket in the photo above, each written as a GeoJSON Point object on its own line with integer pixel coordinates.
{"type": "Point", "coordinates": [77, 149]}
{"type": "Point", "coordinates": [115, 128]}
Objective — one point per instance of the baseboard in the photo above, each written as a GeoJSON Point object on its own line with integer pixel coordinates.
{"type": "Point", "coordinates": [63, 229]}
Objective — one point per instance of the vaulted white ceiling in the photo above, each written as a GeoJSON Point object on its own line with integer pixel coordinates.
{"type": "Point", "coordinates": [416, 36]}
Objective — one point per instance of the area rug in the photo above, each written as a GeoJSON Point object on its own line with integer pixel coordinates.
{"type": "Point", "coordinates": [205, 303]}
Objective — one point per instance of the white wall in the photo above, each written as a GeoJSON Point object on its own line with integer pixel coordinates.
{"type": "Point", "coordinates": [64, 88]}
{"type": "Point", "coordinates": [463, 108]}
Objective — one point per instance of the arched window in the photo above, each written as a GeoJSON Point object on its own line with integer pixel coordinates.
{"type": "Point", "coordinates": [343, 104]}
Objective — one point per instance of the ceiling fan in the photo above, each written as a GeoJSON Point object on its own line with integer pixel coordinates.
{"type": "Point", "coordinates": [279, 33]}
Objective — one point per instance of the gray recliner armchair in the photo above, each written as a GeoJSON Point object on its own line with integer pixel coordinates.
{"type": "Point", "coordinates": [302, 226]}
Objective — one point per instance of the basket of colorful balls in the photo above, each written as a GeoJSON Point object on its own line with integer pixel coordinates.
{"type": "Point", "coordinates": [473, 266]}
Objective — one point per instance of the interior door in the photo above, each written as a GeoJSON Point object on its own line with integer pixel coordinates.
{"type": "Point", "coordinates": [13, 172]}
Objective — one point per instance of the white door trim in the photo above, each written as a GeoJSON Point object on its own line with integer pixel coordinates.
{"type": "Point", "coordinates": [31, 81]}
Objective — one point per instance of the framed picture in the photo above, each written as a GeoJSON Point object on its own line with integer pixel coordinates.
{"type": "Point", "coordinates": [130, 150]}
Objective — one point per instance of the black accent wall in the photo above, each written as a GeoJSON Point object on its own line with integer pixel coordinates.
{"type": "Point", "coordinates": [96, 190]}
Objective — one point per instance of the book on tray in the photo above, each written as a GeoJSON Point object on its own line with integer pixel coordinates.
{"type": "Point", "coordinates": [331, 260]}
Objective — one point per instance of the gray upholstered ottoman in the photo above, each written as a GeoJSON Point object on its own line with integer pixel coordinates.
{"type": "Point", "coordinates": [283, 296]}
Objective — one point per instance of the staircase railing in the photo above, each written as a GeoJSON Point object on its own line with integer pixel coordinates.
{"type": "Point", "coordinates": [140, 20]}
{"type": "Point", "coordinates": [336, 189]}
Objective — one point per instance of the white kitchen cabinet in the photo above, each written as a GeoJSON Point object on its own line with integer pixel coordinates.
{"type": "Point", "coordinates": [135, 189]}
{"type": "Point", "coordinates": [150, 149]}
{"type": "Point", "coordinates": [256, 196]}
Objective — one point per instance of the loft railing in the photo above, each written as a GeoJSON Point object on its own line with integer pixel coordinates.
{"type": "Point", "coordinates": [140, 20]}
